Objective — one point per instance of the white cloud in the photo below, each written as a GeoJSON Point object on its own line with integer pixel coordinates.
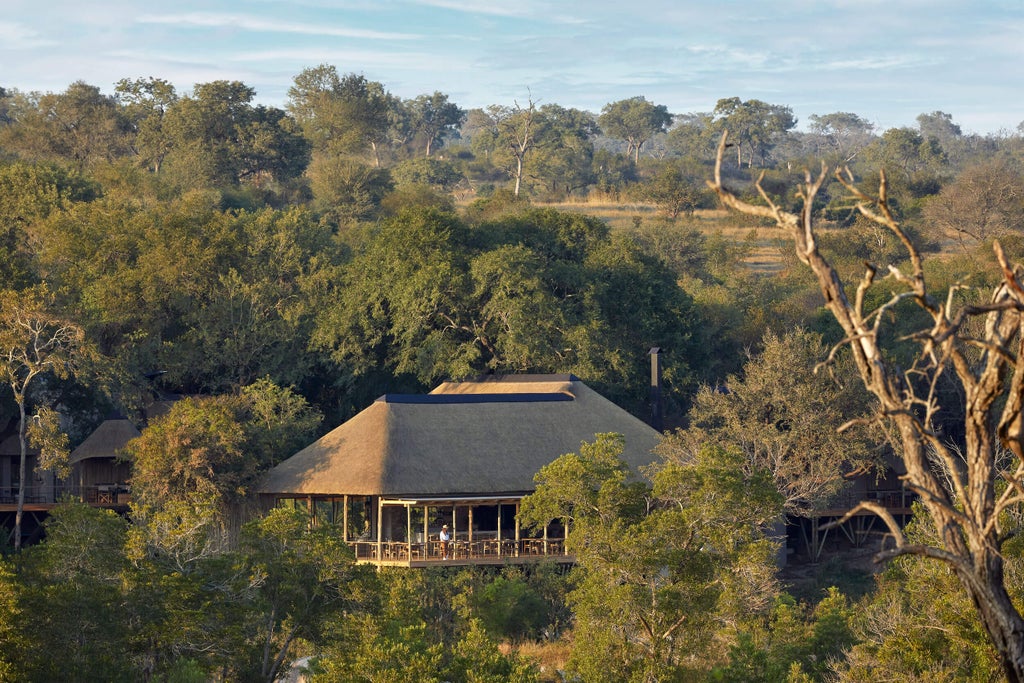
{"type": "Point", "coordinates": [15, 36]}
{"type": "Point", "coordinates": [250, 23]}
{"type": "Point", "coordinates": [365, 59]}
{"type": "Point", "coordinates": [486, 7]}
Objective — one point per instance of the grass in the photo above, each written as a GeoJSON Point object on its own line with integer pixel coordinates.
{"type": "Point", "coordinates": [550, 657]}
{"type": "Point", "coordinates": [764, 255]}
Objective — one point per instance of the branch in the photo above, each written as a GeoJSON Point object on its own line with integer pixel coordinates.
{"type": "Point", "coordinates": [882, 513]}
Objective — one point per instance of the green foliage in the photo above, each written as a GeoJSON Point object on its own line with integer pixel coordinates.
{"type": "Point", "coordinates": [919, 625]}
{"type": "Point", "coordinates": [659, 563]}
{"type": "Point", "coordinates": [80, 127]}
{"type": "Point", "coordinates": [562, 163]}
{"type": "Point", "coordinates": [294, 579]}
{"type": "Point", "coordinates": [216, 299]}
{"type": "Point", "coordinates": [843, 135]}
{"type": "Point", "coordinates": [433, 118]}
{"type": "Point", "coordinates": [14, 640]}
{"type": "Point", "coordinates": [791, 643]}
{"type": "Point", "coordinates": [755, 126]}
{"type": "Point", "coordinates": [634, 120]}
{"type": "Point", "coordinates": [35, 341]}
{"type": "Point", "coordinates": [416, 634]}
{"type": "Point", "coordinates": [438, 173]}
{"type": "Point", "coordinates": [430, 297]}
{"type": "Point", "coordinates": [675, 191]}
{"type": "Point", "coordinates": [73, 599]}
{"type": "Point", "coordinates": [49, 440]}
{"type": "Point", "coordinates": [28, 194]}
{"type": "Point", "coordinates": [345, 189]}
{"type": "Point", "coordinates": [784, 417]}
{"type": "Point", "coordinates": [190, 465]}
{"type": "Point", "coordinates": [339, 114]}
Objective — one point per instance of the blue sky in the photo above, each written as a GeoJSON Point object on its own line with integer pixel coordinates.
{"type": "Point", "coordinates": [886, 61]}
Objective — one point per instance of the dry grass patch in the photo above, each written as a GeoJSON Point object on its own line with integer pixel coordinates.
{"type": "Point", "coordinates": [550, 657]}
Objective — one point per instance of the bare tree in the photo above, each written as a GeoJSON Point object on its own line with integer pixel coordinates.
{"type": "Point", "coordinates": [978, 345]}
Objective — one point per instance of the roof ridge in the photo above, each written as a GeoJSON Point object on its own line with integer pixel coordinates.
{"type": "Point", "coordinates": [525, 397]}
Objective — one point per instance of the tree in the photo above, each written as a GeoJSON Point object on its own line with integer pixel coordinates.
{"type": "Point", "coordinates": [271, 147]}
{"type": "Point", "coordinates": [784, 417]}
{"type": "Point", "coordinates": [918, 624]}
{"type": "Point", "coordinates": [296, 579]}
{"type": "Point", "coordinates": [5, 98]}
{"type": "Point", "coordinates": [692, 136]}
{"type": "Point", "coordinates": [427, 297]}
{"type": "Point", "coordinates": [340, 114]}
{"type": "Point", "coordinates": [985, 202]}
{"type": "Point", "coordinates": [939, 126]}
{"type": "Point", "coordinates": [14, 637]}
{"type": "Point", "coordinates": [843, 134]}
{"type": "Point", "coordinates": [146, 103]}
{"type": "Point", "coordinates": [634, 120]}
{"type": "Point", "coordinates": [968, 489]}
{"type": "Point", "coordinates": [195, 466]}
{"type": "Point", "coordinates": [28, 194]}
{"type": "Point", "coordinates": [672, 189]}
{"type": "Point", "coordinates": [792, 643]}
{"type": "Point", "coordinates": [920, 161]}
{"type": "Point", "coordinates": [756, 126]}
{"type": "Point", "coordinates": [79, 126]}
{"type": "Point", "coordinates": [438, 173]}
{"type": "Point", "coordinates": [75, 598]}
{"type": "Point", "coordinates": [433, 118]}
{"type": "Point", "coordinates": [34, 340]}
{"type": "Point", "coordinates": [660, 561]}
{"type": "Point", "coordinates": [417, 634]}
{"type": "Point", "coordinates": [516, 135]}
{"type": "Point", "coordinates": [564, 158]}
{"type": "Point", "coordinates": [217, 138]}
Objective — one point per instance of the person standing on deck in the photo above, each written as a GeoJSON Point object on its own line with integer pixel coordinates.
{"type": "Point", "coordinates": [444, 537]}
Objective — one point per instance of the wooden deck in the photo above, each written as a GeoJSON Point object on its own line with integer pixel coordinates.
{"type": "Point", "coordinates": [861, 525]}
{"type": "Point", "coordinates": [460, 553]}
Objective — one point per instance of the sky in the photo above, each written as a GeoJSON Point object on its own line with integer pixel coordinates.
{"type": "Point", "coordinates": [886, 61]}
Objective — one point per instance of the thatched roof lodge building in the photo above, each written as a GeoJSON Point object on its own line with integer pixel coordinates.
{"type": "Point", "coordinates": [462, 456]}
{"type": "Point", "coordinates": [98, 472]}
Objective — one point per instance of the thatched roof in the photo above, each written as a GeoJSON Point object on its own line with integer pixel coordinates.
{"type": "Point", "coordinates": [106, 441]}
{"type": "Point", "coordinates": [478, 437]}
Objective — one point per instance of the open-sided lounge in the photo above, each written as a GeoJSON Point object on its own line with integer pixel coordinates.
{"type": "Point", "coordinates": [463, 456]}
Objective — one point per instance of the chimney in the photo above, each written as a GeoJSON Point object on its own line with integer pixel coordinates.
{"type": "Point", "coordinates": [656, 408]}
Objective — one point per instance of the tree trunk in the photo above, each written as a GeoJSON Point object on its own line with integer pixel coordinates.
{"type": "Point", "coordinates": [998, 615]}
{"type": "Point", "coordinates": [21, 470]}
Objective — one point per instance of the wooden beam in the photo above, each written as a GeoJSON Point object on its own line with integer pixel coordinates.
{"type": "Point", "coordinates": [344, 518]}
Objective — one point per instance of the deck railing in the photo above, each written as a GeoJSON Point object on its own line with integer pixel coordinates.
{"type": "Point", "coordinates": [489, 550]}
{"type": "Point", "coordinates": [887, 498]}
{"type": "Point", "coordinates": [96, 494]}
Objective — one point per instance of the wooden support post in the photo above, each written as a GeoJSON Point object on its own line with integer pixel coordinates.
{"type": "Point", "coordinates": [426, 531]}
{"type": "Point", "coordinates": [344, 519]}
{"type": "Point", "coordinates": [380, 528]}
{"type": "Point", "coordinates": [408, 531]}
{"type": "Point", "coordinates": [517, 529]}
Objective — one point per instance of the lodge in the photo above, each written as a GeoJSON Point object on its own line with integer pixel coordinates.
{"type": "Point", "coordinates": [464, 456]}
